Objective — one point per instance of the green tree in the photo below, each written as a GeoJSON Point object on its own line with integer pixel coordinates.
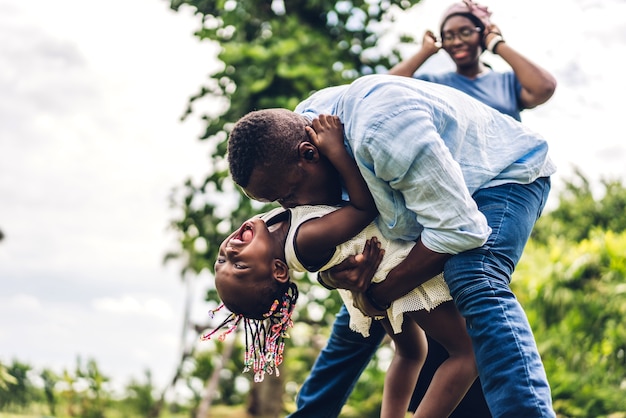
{"type": "Point", "coordinates": [274, 54]}
{"type": "Point", "coordinates": [69, 394]}
{"type": "Point", "coordinates": [571, 282]}
{"type": "Point", "coordinates": [581, 209]}
{"type": "Point", "coordinates": [84, 390]}
{"type": "Point", "coordinates": [574, 294]}
{"type": "Point", "coordinates": [16, 389]}
{"type": "Point", "coordinates": [50, 380]}
{"type": "Point", "coordinates": [140, 395]}
{"type": "Point", "coordinates": [6, 378]}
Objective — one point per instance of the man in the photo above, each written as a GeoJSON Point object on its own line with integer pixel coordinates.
{"type": "Point", "coordinates": [462, 180]}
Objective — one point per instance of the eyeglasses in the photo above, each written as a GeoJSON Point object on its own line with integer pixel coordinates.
{"type": "Point", "coordinates": [465, 34]}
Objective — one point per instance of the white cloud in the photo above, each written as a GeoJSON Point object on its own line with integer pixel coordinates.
{"type": "Point", "coordinates": [129, 305]}
{"type": "Point", "coordinates": [22, 302]}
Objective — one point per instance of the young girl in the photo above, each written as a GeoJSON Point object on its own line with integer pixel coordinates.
{"type": "Point", "coordinates": [252, 277]}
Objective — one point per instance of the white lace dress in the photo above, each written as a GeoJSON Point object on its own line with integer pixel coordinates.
{"type": "Point", "coordinates": [426, 296]}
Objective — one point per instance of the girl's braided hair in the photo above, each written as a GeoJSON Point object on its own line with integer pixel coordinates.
{"type": "Point", "coordinates": [264, 337]}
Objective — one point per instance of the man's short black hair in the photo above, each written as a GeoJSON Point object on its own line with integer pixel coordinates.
{"type": "Point", "coordinates": [264, 137]}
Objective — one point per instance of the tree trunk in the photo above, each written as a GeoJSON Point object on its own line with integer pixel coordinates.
{"type": "Point", "coordinates": [266, 398]}
{"type": "Point", "coordinates": [204, 407]}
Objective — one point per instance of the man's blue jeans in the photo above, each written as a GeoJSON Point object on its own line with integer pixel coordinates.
{"type": "Point", "coordinates": [511, 372]}
{"type": "Point", "coordinates": [337, 369]}
{"type": "Point", "coordinates": [342, 361]}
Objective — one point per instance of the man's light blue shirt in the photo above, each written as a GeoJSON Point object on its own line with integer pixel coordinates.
{"type": "Point", "coordinates": [424, 148]}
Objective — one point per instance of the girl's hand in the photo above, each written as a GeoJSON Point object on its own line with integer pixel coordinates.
{"type": "Point", "coordinates": [326, 133]}
{"type": "Point", "coordinates": [361, 302]}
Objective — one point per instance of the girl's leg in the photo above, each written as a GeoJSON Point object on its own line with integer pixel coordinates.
{"type": "Point", "coordinates": [456, 374]}
{"type": "Point", "coordinates": [410, 352]}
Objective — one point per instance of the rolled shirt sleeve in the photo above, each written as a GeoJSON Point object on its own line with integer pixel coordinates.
{"type": "Point", "coordinates": [418, 187]}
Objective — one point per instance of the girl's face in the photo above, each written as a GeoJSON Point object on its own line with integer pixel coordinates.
{"type": "Point", "coordinates": [246, 263]}
{"type": "Point", "coordinates": [460, 38]}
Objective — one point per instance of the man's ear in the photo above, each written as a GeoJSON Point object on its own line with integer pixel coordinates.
{"type": "Point", "coordinates": [280, 270]}
{"type": "Point", "coordinates": [308, 152]}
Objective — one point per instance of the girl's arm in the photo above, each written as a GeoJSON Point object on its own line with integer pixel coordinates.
{"type": "Point", "coordinates": [326, 134]}
{"type": "Point", "coordinates": [317, 238]}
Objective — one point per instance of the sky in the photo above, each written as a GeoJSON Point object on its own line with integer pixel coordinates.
{"type": "Point", "coordinates": [91, 145]}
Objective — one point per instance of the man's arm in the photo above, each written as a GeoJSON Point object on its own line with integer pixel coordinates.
{"type": "Point", "coordinates": [418, 267]}
{"type": "Point", "coordinates": [356, 273]}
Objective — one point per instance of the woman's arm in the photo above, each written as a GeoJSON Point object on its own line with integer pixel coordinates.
{"type": "Point", "coordinates": [409, 66]}
{"type": "Point", "coordinates": [538, 85]}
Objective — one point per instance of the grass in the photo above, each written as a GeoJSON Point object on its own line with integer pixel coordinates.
{"type": "Point", "coordinates": [218, 411]}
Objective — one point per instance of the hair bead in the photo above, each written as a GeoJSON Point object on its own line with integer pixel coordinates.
{"type": "Point", "coordinates": [264, 338]}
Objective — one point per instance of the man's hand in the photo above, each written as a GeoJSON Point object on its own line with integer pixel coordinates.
{"type": "Point", "coordinates": [356, 272]}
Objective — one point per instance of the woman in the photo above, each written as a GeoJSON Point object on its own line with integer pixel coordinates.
{"type": "Point", "coordinates": [466, 32]}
